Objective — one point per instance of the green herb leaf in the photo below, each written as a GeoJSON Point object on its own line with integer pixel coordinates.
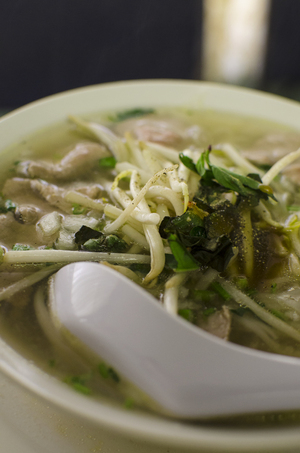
{"type": "Point", "coordinates": [111, 243]}
{"type": "Point", "coordinates": [103, 370]}
{"type": "Point", "coordinates": [273, 288]}
{"type": "Point", "coordinates": [185, 261]}
{"type": "Point", "coordinates": [7, 205]}
{"type": "Point", "coordinates": [132, 113]}
{"type": "Point", "coordinates": [113, 375]}
{"type": "Point", "coordinates": [108, 162]}
{"type": "Point", "coordinates": [21, 247]}
{"type": "Point", "coordinates": [96, 241]}
{"type": "Point", "coordinates": [81, 388]}
{"type": "Point", "coordinates": [85, 233]}
{"type": "Point", "coordinates": [187, 314]}
{"type": "Point", "coordinates": [108, 372]}
{"type": "Point", "coordinates": [218, 288]}
{"type": "Point", "coordinates": [78, 383]}
{"type": "Point", "coordinates": [188, 162]}
{"type": "Point", "coordinates": [10, 205]}
{"type": "Point", "coordinates": [77, 209]}
{"type": "Point", "coordinates": [247, 186]}
{"type": "Point", "coordinates": [202, 295]}
{"type": "Point", "coordinates": [192, 243]}
{"type": "Point", "coordinates": [209, 311]}
{"type": "Point", "coordinates": [242, 283]}
{"type": "Point", "coordinates": [129, 403]}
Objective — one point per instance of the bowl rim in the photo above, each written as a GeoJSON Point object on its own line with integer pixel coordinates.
{"type": "Point", "coordinates": [144, 426]}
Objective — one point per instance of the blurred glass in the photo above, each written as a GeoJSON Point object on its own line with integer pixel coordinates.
{"type": "Point", "coordinates": [234, 40]}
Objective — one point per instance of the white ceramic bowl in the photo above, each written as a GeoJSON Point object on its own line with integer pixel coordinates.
{"type": "Point", "coordinates": [149, 428]}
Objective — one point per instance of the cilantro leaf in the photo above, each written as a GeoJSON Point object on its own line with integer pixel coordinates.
{"type": "Point", "coordinates": [7, 205]}
{"type": "Point", "coordinates": [21, 247]}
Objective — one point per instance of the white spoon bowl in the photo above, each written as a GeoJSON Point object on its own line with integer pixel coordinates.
{"type": "Point", "coordinates": [189, 372]}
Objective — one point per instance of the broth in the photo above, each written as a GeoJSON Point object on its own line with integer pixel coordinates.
{"type": "Point", "coordinates": [39, 213]}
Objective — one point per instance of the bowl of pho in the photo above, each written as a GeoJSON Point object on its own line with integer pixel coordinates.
{"type": "Point", "coordinates": [189, 189]}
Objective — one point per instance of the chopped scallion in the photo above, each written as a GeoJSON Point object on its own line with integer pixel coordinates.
{"type": "Point", "coordinates": [108, 162]}
{"type": "Point", "coordinates": [216, 286]}
{"type": "Point", "coordinates": [203, 295]}
{"type": "Point", "coordinates": [128, 403]}
{"type": "Point", "coordinates": [108, 372]}
{"type": "Point", "coordinates": [77, 209]}
{"type": "Point", "coordinates": [209, 311]}
{"type": "Point", "coordinates": [187, 314]}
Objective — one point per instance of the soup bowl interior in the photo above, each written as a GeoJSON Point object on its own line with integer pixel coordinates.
{"type": "Point", "coordinates": [155, 429]}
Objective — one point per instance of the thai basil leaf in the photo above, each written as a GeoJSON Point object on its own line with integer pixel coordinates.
{"type": "Point", "coordinates": [95, 241]}
{"type": "Point", "coordinates": [188, 227]}
{"type": "Point", "coordinates": [115, 244]}
{"type": "Point", "coordinates": [189, 239]}
{"type": "Point", "coordinates": [247, 186]}
{"type": "Point", "coordinates": [215, 253]}
{"type": "Point", "coordinates": [188, 162]}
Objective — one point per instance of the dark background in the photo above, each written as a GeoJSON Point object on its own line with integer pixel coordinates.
{"type": "Point", "coordinates": [48, 46]}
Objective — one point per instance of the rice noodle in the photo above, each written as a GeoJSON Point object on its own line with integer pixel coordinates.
{"type": "Point", "coordinates": [261, 330]}
{"type": "Point", "coordinates": [279, 166]}
{"type": "Point", "coordinates": [135, 152]}
{"type": "Point", "coordinates": [135, 236]}
{"type": "Point", "coordinates": [171, 293]}
{"type": "Point", "coordinates": [113, 212]}
{"type": "Point", "coordinates": [27, 281]}
{"type": "Point", "coordinates": [262, 313]}
{"type": "Point", "coordinates": [76, 197]}
{"type": "Point", "coordinates": [127, 211]}
{"type": "Point", "coordinates": [151, 232]}
{"type": "Point", "coordinates": [152, 162]}
{"type": "Point", "coordinates": [142, 216]}
{"type": "Point", "coordinates": [234, 155]}
{"type": "Point", "coordinates": [104, 135]}
{"type": "Point", "coordinates": [67, 256]}
{"type": "Point", "coordinates": [165, 192]}
{"type": "Point", "coordinates": [162, 210]}
{"type": "Point", "coordinates": [162, 151]}
{"type": "Point", "coordinates": [124, 166]}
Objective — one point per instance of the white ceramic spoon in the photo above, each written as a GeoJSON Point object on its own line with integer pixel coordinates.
{"type": "Point", "coordinates": [189, 372]}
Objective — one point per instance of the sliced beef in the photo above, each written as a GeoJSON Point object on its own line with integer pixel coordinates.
{"type": "Point", "coordinates": [218, 324]}
{"type": "Point", "coordinates": [77, 162]}
{"type": "Point", "coordinates": [29, 191]}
